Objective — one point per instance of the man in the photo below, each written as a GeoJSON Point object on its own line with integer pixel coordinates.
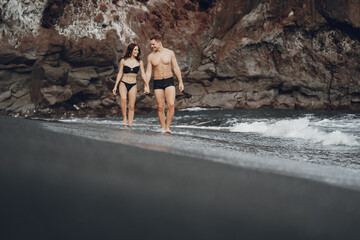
{"type": "Point", "coordinates": [162, 59]}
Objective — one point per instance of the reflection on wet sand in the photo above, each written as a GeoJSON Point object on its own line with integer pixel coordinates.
{"type": "Point", "coordinates": [119, 139]}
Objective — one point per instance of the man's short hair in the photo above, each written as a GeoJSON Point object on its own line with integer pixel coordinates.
{"type": "Point", "coordinates": [156, 37]}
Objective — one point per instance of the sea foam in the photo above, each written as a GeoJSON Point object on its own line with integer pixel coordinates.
{"type": "Point", "coordinates": [297, 129]}
{"type": "Point", "coordinates": [195, 109]}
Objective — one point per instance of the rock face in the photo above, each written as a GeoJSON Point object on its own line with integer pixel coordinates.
{"type": "Point", "coordinates": [60, 58]}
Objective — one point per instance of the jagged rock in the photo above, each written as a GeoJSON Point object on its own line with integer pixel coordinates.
{"type": "Point", "coordinates": [199, 75]}
{"type": "Point", "coordinates": [93, 104]}
{"type": "Point", "coordinates": [232, 54]}
{"type": "Point", "coordinates": [89, 52]}
{"type": "Point", "coordinates": [22, 92]}
{"type": "Point", "coordinates": [20, 68]}
{"type": "Point", "coordinates": [82, 76]}
{"type": "Point", "coordinates": [11, 56]}
{"type": "Point", "coordinates": [27, 109]}
{"type": "Point", "coordinates": [108, 102]}
{"type": "Point", "coordinates": [340, 10]}
{"type": "Point", "coordinates": [224, 100]}
{"type": "Point", "coordinates": [4, 105]}
{"type": "Point", "coordinates": [5, 96]}
{"type": "Point", "coordinates": [52, 12]}
{"type": "Point", "coordinates": [49, 42]}
{"type": "Point", "coordinates": [56, 94]}
{"type": "Point", "coordinates": [19, 103]}
{"type": "Point", "coordinates": [55, 75]}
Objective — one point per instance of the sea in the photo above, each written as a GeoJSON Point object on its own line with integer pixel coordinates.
{"type": "Point", "coordinates": [321, 146]}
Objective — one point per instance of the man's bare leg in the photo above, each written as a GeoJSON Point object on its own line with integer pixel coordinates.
{"type": "Point", "coordinates": [160, 100]}
{"type": "Point", "coordinates": [170, 101]}
{"type": "Point", "coordinates": [123, 97]}
{"type": "Point", "coordinates": [132, 98]}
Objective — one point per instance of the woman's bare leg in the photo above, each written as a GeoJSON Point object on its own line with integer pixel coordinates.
{"type": "Point", "coordinates": [123, 97]}
{"type": "Point", "coordinates": [132, 99]}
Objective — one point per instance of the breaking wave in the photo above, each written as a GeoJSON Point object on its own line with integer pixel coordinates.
{"type": "Point", "coordinates": [297, 129]}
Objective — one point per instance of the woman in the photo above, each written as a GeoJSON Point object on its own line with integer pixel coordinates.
{"type": "Point", "coordinates": [129, 68]}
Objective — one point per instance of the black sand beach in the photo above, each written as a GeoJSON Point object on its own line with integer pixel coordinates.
{"type": "Point", "coordinates": [60, 186]}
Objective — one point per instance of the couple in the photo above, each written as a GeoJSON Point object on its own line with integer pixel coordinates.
{"type": "Point", "coordinates": [161, 59]}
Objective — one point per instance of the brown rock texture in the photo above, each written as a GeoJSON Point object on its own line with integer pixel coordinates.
{"type": "Point", "coordinates": [60, 58]}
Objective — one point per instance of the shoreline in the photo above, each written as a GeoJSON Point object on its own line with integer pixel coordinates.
{"type": "Point", "coordinates": [182, 145]}
{"type": "Point", "coordinates": [61, 186]}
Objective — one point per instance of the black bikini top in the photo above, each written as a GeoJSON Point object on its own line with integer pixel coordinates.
{"type": "Point", "coordinates": [128, 69]}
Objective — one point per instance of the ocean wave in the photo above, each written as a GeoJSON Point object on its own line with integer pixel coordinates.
{"type": "Point", "coordinates": [297, 129]}
{"type": "Point", "coordinates": [195, 109]}
{"type": "Point", "coordinates": [91, 120]}
{"type": "Point", "coordinates": [200, 127]}
{"type": "Point", "coordinates": [348, 123]}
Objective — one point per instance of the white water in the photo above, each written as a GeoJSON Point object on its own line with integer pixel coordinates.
{"type": "Point", "coordinates": [299, 129]}
{"type": "Point", "coordinates": [306, 129]}
{"type": "Point", "coordinates": [195, 109]}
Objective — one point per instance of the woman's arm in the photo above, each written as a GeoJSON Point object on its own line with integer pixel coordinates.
{"type": "Point", "coordinates": [119, 75]}
{"type": "Point", "coordinates": [143, 75]}
{"type": "Point", "coordinates": [148, 69]}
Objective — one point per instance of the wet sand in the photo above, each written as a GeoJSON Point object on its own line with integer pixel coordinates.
{"type": "Point", "coordinates": [60, 186]}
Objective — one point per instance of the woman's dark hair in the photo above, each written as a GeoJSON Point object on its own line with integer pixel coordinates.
{"type": "Point", "coordinates": [129, 51]}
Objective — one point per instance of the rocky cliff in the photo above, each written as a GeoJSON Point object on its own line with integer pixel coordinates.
{"type": "Point", "coordinates": [60, 57]}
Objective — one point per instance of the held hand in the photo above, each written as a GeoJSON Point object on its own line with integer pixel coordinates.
{"type": "Point", "coordinates": [181, 87]}
{"type": "Point", "coordinates": [146, 90]}
{"type": "Point", "coordinates": [114, 91]}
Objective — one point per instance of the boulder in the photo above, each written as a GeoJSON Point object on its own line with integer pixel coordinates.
{"type": "Point", "coordinates": [81, 77]}
{"type": "Point", "coordinates": [56, 94]}
{"type": "Point", "coordinates": [5, 96]}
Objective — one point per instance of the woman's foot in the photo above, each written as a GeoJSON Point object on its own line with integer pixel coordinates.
{"type": "Point", "coordinates": [124, 122]}
{"type": "Point", "coordinates": [167, 130]}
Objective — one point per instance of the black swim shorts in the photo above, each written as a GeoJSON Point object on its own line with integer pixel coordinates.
{"type": "Point", "coordinates": [164, 83]}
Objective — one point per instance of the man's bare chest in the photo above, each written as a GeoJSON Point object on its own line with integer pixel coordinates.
{"type": "Point", "coordinates": [161, 59]}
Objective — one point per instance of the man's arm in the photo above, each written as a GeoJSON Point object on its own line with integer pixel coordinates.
{"type": "Point", "coordinates": [177, 71]}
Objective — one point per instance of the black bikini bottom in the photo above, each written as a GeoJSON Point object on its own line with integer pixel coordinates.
{"type": "Point", "coordinates": [164, 83]}
{"type": "Point", "coordinates": [129, 85]}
